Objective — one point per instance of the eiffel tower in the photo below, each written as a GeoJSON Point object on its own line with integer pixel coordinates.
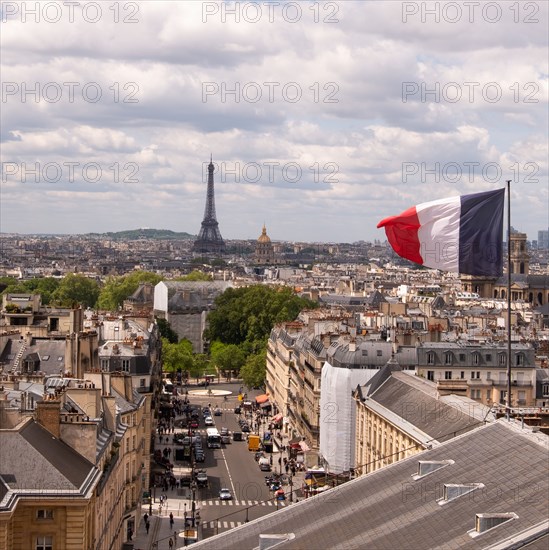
{"type": "Point", "coordinates": [209, 238]}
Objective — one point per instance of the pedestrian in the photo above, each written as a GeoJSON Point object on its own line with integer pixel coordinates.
{"type": "Point", "coordinates": [130, 533]}
{"type": "Point", "coordinates": [170, 543]}
{"type": "Point", "coordinates": [146, 517]}
{"type": "Point", "coordinates": [171, 520]}
{"type": "Point", "coordinates": [147, 526]}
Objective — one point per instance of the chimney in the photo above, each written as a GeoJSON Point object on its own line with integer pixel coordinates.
{"type": "Point", "coordinates": [48, 414]}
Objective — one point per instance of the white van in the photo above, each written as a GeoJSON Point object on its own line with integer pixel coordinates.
{"type": "Point", "coordinates": [264, 464]}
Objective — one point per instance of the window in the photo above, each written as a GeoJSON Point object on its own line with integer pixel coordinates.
{"type": "Point", "coordinates": [488, 375]}
{"type": "Point", "coordinates": [488, 395]}
{"type": "Point", "coordinates": [520, 359]}
{"type": "Point", "coordinates": [462, 356]}
{"type": "Point", "coordinates": [545, 390]}
{"type": "Point", "coordinates": [430, 358]}
{"type": "Point", "coordinates": [142, 383]}
{"type": "Point", "coordinates": [431, 376]}
{"type": "Point", "coordinates": [475, 374]}
{"type": "Point", "coordinates": [104, 365]}
{"type": "Point", "coordinates": [126, 365]}
{"type": "Point", "coordinates": [475, 394]}
{"type": "Point", "coordinates": [475, 358]}
{"type": "Point", "coordinates": [448, 358]}
{"type": "Point", "coordinates": [379, 353]}
{"type": "Point", "coordinates": [462, 374]}
{"type": "Point", "coordinates": [44, 514]}
{"type": "Point", "coordinates": [448, 375]}
{"type": "Point", "coordinates": [489, 358]}
{"type": "Point", "coordinates": [364, 352]}
{"type": "Point", "coordinates": [502, 359]}
{"type": "Point", "coordinates": [44, 542]}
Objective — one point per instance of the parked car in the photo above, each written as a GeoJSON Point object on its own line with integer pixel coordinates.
{"type": "Point", "coordinates": [225, 494]}
{"type": "Point", "coordinates": [246, 428]}
{"type": "Point", "coordinates": [194, 423]}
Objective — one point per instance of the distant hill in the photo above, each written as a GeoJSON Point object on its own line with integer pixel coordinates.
{"type": "Point", "coordinates": [134, 234]}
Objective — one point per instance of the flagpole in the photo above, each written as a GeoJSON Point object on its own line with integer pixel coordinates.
{"type": "Point", "coordinates": [508, 300]}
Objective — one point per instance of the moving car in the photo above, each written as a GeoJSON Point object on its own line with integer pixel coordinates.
{"type": "Point", "coordinates": [199, 456]}
{"type": "Point", "coordinates": [208, 420]}
{"type": "Point", "coordinates": [225, 494]}
{"type": "Point", "coordinates": [237, 436]}
{"type": "Point", "coordinates": [201, 478]}
{"type": "Point", "coordinates": [245, 428]}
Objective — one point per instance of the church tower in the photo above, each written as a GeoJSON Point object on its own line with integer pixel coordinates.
{"type": "Point", "coordinates": [520, 259]}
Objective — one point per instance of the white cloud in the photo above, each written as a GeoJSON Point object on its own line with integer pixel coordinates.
{"type": "Point", "coordinates": [352, 134]}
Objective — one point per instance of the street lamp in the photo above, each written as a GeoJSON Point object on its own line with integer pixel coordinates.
{"type": "Point", "coordinates": [291, 488]}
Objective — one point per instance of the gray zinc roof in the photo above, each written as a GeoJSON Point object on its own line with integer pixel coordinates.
{"type": "Point", "coordinates": [388, 509]}
{"type": "Point", "coordinates": [33, 461]}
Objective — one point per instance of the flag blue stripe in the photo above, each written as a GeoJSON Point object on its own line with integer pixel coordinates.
{"type": "Point", "coordinates": [481, 234]}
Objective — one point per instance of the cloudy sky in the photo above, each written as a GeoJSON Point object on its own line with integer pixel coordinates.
{"type": "Point", "coordinates": [322, 117]}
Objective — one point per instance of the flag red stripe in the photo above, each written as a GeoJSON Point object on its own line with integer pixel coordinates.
{"type": "Point", "coordinates": [401, 233]}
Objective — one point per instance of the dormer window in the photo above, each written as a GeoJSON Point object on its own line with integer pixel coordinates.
{"type": "Point", "coordinates": [430, 358]}
{"type": "Point", "coordinates": [453, 491]}
{"type": "Point", "coordinates": [476, 358]}
{"type": "Point", "coordinates": [486, 522]}
{"type": "Point", "coordinates": [426, 467]}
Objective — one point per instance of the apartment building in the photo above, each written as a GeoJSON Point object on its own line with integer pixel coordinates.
{"type": "Point", "coordinates": [399, 415]}
{"type": "Point", "coordinates": [479, 370]}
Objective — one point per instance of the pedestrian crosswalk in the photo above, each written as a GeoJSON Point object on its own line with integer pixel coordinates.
{"type": "Point", "coordinates": [223, 524]}
{"type": "Point", "coordinates": [278, 503]}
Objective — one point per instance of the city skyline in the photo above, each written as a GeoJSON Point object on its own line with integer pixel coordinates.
{"type": "Point", "coordinates": [322, 117]}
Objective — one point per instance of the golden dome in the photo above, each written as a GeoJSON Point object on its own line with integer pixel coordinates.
{"type": "Point", "coordinates": [264, 238]}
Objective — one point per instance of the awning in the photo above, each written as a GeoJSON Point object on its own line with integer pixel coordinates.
{"type": "Point", "coordinates": [277, 418]}
{"type": "Point", "coordinates": [265, 405]}
{"type": "Point", "coordinates": [262, 398]}
{"type": "Point", "coordinates": [304, 446]}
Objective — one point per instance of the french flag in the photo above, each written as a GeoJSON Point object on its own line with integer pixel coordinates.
{"type": "Point", "coordinates": [461, 234]}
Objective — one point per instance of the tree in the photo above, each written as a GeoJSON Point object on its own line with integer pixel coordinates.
{"type": "Point", "coordinates": [166, 331]}
{"type": "Point", "coordinates": [118, 289]}
{"type": "Point", "coordinates": [76, 289]}
{"type": "Point", "coordinates": [248, 314]}
{"type": "Point", "coordinates": [227, 357]}
{"type": "Point", "coordinates": [253, 370]}
{"type": "Point", "coordinates": [196, 275]}
{"type": "Point", "coordinates": [177, 356]}
{"type": "Point", "coordinates": [200, 365]}
{"type": "Point", "coordinates": [45, 286]}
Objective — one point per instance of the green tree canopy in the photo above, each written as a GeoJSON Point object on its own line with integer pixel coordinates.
{"type": "Point", "coordinates": [196, 275]}
{"type": "Point", "coordinates": [227, 357]}
{"type": "Point", "coordinates": [248, 314]}
{"type": "Point", "coordinates": [117, 289]}
{"type": "Point", "coordinates": [76, 289]}
{"type": "Point", "coordinates": [166, 331]}
{"type": "Point", "coordinates": [177, 356]}
{"type": "Point", "coordinates": [45, 286]}
{"type": "Point", "coordinates": [253, 370]}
